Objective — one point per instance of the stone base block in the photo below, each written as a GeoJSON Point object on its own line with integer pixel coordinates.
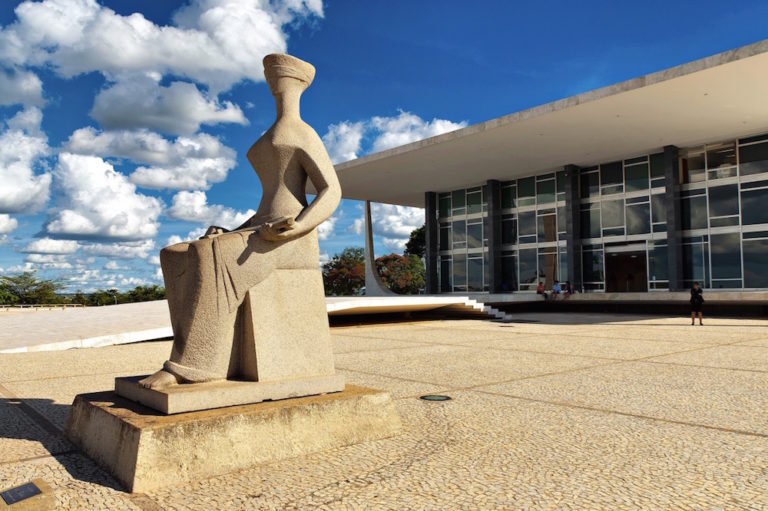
{"type": "Point", "coordinates": [192, 397]}
{"type": "Point", "coordinates": [144, 449]}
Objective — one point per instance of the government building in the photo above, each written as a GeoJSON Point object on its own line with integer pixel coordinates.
{"type": "Point", "coordinates": [643, 186]}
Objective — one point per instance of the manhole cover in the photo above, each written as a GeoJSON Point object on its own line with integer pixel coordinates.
{"type": "Point", "coordinates": [435, 397]}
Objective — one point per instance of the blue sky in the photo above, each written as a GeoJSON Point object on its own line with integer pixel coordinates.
{"type": "Point", "coordinates": [124, 125]}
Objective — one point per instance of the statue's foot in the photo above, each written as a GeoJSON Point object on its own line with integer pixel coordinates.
{"type": "Point", "coordinates": [159, 380]}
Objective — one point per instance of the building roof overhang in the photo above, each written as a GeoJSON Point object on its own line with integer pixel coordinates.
{"type": "Point", "coordinates": [716, 98]}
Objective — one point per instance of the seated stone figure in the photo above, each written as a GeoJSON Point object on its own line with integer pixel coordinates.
{"type": "Point", "coordinates": [208, 280]}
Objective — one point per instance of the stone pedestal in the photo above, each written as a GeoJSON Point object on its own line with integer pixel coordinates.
{"type": "Point", "coordinates": [192, 397]}
{"type": "Point", "coordinates": [144, 449]}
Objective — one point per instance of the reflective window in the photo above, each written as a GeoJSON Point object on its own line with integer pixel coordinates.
{"type": "Point", "coordinates": [548, 266]}
{"type": "Point", "coordinates": [659, 208]}
{"type": "Point", "coordinates": [458, 202]}
{"type": "Point", "coordinates": [657, 170]}
{"type": "Point", "coordinates": [475, 235]}
{"type": "Point", "coordinates": [445, 237]}
{"type": "Point", "coordinates": [474, 201]}
{"type": "Point", "coordinates": [445, 274]}
{"type": "Point", "coordinates": [693, 210]}
{"type": "Point", "coordinates": [611, 178]}
{"type": "Point", "coordinates": [638, 218]}
{"type": "Point", "coordinates": [636, 177]}
{"type": "Point", "coordinates": [508, 230]}
{"type": "Point", "coordinates": [459, 272]}
{"type": "Point", "coordinates": [475, 274]}
{"type": "Point", "coordinates": [545, 191]}
{"type": "Point", "coordinates": [613, 213]}
{"type": "Point", "coordinates": [756, 262]}
{"type": "Point", "coordinates": [546, 228]}
{"type": "Point", "coordinates": [563, 264]}
{"type": "Point", "coordinates": [445, 205]}
{"type": "Point", "coordinates": [459, 234]}
{"type": "Point", "coordinates": [560, 185]}
{"type": "Point", "coordinates": [754, 204]}
{"type": "Point", "coordinates": [726, 257]}
{"type": "Point", "coordinates": [753, 158]}
{"type": "Point", "coordinates": [590, 223]}
{"type": "Point", "coordinates": [694, 263]}
{"type": "Point", "coordinates": [508, 273]}
{"type": "Point", "coordinates": [561, 221]}
{"type": "Point", "coordinates": [508, 196]}
{"type": "Point", "coordinates": [592, 266]}
{"type": "Point", "coordinates": [658, 264]}
{"type": "Point", "coordinates": [527, 224]}
{"type": "Point", "coordinates": [724, 202]}
{"type": "Point", "coordinates": [692, 166]}
{"type": "Point", "coordinates": [527, 272]}
{"type": "Point", "coordinates": [526, 191]}
{"type": "Point", "coordinates": [590, 184]}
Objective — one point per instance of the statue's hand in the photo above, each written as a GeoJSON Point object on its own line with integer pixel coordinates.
{"type": "Point", "coordinates": [280, 230]}
{"type": "Point", "coordinates": [213, 231]}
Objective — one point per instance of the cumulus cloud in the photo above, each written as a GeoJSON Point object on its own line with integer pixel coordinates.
{"type": "Point", "coordinates": [7, 224]}
{"type": "Point", "coordinates": [52, 246]}
{"type": "Point", "coordinates": [20, 87]}
{"type": "Point", "coordinates": [395, 223]}
{"type": "Point", "coordinates": [343, 140]}
{"type": "Point", "coordinates": [122, 250]}
{"type": "Point", "coordinates": [141, 102]}
{"type": "Point", "coordinates": [348, 140]}
{"type": "Point", "coordinates": [193, 162]}
{"type": "Point", "coordinates": [215, 42]}
{"type": "Point", "coordinates": [97, 201]}
{"type": "Point", "coordinates": [325, 229]}
{"type": "Point", "coordinates": [22, 145]}
{"type": "Point", "coordinates": [49, 261]}
{"type": "Point", "coordinates": [194, 207]}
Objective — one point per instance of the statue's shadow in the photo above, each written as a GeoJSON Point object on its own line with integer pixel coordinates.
{"type": "Point", "coordinates": [28, 419]}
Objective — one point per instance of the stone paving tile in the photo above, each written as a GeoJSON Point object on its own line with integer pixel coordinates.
{"type": "Point", "coordinates": [598, 347]}
{"type": "Point", "coordinates": [709, 334]}
{"type": "Point", "coordinates": [138, 358]}
{"type": "Point", "coordinates": [459, 365]}
{"type": "Point", "coordinates": [754, 358]}
{"type": "Point", "coordinates": [481, 452]}
{"type": "Point", "coordinates": [396, 387]}
{"type": "Point", "coordinates": [53, 397]}
{"type": "Point", "coordinates": [77, 482]}
{"type": "Point", "coordinates": [22, 438]}
{"type": "Point", "coordinates": [343, 343]}
{"type": "Point", "coordinates": [698, 395]}
{"type": "Point", "coordinates": [758, 342]}
{"type": "Point", "coordinates": [432, 335]}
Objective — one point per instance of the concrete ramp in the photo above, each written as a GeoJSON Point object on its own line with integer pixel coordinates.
{"type": "Point", "coordinates": [50, 329]}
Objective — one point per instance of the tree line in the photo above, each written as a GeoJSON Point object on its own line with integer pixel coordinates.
{"type": "Point", "coordinates": [27, 289]}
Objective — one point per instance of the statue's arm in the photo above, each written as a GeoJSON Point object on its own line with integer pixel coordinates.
{"type": "Point", "coordinates": [316, 163]}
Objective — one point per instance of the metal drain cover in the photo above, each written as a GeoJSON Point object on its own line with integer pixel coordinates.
{"type": "Point", "coordinates": [435, 397]}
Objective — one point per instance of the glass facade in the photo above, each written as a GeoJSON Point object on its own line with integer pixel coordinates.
{"type": "Point", "coordinates": [623, 220]}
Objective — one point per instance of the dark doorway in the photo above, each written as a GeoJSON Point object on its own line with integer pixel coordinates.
{"type": "Point", "coordinates": [625, 272]}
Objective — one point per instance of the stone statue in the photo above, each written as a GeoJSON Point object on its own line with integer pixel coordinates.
{"type": "Point", "coordinates": [207, 281]}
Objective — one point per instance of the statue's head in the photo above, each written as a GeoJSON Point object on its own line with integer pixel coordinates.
{"type": "Point", "coordinates": [284, 71]}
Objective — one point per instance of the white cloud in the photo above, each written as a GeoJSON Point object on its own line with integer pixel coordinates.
{"type": "Point", "coordinates": [346, 140]}
{"type": "Point", "coordinates": [20, 87]}
{"type": "Point", "coordinates": [194, 207]}
{"type": "Point", "coordinates": [358, 226]}
{"type": "Point", "coordinates": [155, 259]}
{"type": "Point", "coordinates": [343, 140]}
{"type": "Point", "coordinates": [22, 145]}
{"type": "Point", "coordinates": [394, 244]}
{"type": "Point", "coordinates": [52, 246]}
{"type": "Point", "coordinates": [141, 102]}
{"type": "Point", "coordinates": [193, 162]}
{"type": "Point", "coordinates": [406, 128]}
{"type": "Point", "coordinates": [215, 42]}
{"type": "Point", "coordinates": [173, 239]}
{"type": "Point", "coordinates": [97, 201]}
{"type": "Point", "coordinates": [395, 223]}
{"type": "Point", "coordinates": [121, 250]}
{"type": "Point", "coordinates": [325, 229]}
{"type": "Point", "coordinates": [7, 224]}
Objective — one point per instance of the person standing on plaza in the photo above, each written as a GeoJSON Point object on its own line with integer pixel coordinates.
{"type": "Point", "coordinates": [697, 303]}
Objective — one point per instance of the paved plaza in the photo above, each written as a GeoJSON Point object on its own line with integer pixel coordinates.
{"type": "Point", "coordinates": [551, 412]}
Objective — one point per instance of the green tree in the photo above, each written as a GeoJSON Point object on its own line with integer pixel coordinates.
{"type": "Point", "coordinates": [344, 274]}
{"type": "Point", "coordinates": [145, 294]}
{"type": "Point", "coordinates": [416, 244]}
{"type": "Point", "coordinates": [27, 289]}
{"type": "Point", "coordinates": [402, 274]}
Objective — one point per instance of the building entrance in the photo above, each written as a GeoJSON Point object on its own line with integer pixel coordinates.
{"type": "Point", "coordinates": [626, 271]}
